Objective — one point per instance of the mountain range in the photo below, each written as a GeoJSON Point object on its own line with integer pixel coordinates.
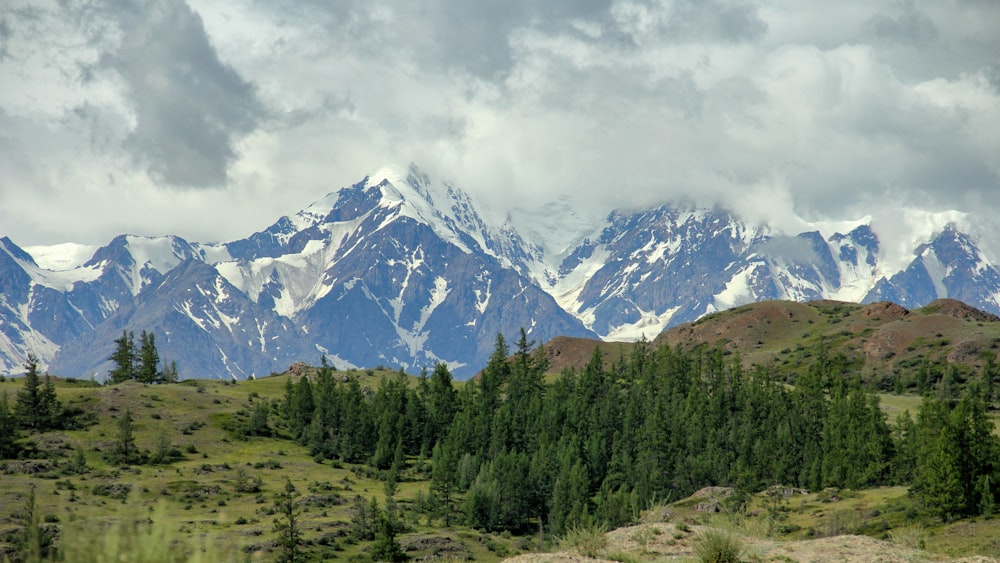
{"type": "Point", "coordinates": [400, 270]}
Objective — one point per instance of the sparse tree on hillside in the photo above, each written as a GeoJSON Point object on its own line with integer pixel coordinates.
{"type": "Point", "coordinates": [8, 429]}
{"type": "Point", "coordinates": [170, 374]}
{"type": "Point", "coordinates": [29, 396]}
{"type": "Point", "coordinates": [149, 359]}
{"type": "Point", "coordinates": [37, 404]}
{"type": "Point", "coordinates": [123, 358]}
{"type": "Point", "coordinates": [125, 451]}
{"type": "Point", "coordinates": [386, 546]}
{"type": "Point", "coordinates": [287, 526]}
{"type": "Point", "coordinates": [34, 543]}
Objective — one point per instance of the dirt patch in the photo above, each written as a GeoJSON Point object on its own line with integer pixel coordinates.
{"type": "Point", "coordinates": [564, 352]}
{"type": "Point", "coordinates": [26, 467]}
{"type": "Point", "coordinates": [958, 310]}
{"type": "Point", "coordinates": [712, 493]}
{"type": "Point", "coordinates": [434, 547]}
{"type": "Point", "coordinates": [884, 311]}
{"type": "Point", "coordinates": [666, 542]}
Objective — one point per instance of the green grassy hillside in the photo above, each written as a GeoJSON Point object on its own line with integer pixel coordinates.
{"type": "Point", "coordinates": [218, 469]}
{"type": "Point", "coordinates": [196, 499]}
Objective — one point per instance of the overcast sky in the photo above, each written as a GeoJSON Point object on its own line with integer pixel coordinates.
{"type": "Point", "coordinates": [150, 117]}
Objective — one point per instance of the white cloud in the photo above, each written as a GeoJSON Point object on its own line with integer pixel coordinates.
{"type": "Point", "coordinates": [791, 111]}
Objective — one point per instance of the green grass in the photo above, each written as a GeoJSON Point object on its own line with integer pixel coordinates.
{"type": "Point", "coordinates": [717, 546]}
{"type": "Point", "coordinates": [193, 502]}
{"type": "Point", "coordinates": [589, 541]}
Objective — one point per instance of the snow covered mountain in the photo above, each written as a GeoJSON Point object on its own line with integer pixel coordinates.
{"type": "Point", "coordinates": [403, 271]}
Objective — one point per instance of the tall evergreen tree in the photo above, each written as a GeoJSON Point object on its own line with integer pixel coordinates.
{"type": "Point", "coordinates": [287, 526]}
{"type": "Point", "coordinates": [124, 451]}
{"type": "Point", "coordinates": [8, 429]}
{"type": "Point", "coordinates": [148, 370]}
{"type": "Point", "coordinates": [386, 547]}
{"type": "Point", "coordinates": [170, 373]}
{"type": "Point", "coordinates": [441, 403]}
{"type": "Point", "coordinates": [38, 406]}
{"type": "Point", "coordinates": [124, 358]}
{"type": "Point", "coordinates": [444, 480]}
{"type": "Point", "coordinates": [29, 397]}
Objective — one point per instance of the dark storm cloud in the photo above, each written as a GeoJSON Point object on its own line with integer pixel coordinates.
{"type": "Point", "coordinates": [190, 108]}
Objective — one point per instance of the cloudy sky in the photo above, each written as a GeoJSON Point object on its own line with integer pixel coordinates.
{"type": "Point", "coordinates": [151, 116]}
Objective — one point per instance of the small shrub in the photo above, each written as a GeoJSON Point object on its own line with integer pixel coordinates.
{"type": "Point", "coordinates": [907, 536]}
{"type": "Point", "coordinates": [118, 491]}
{"type": "Point", "coordinates": [590, 541]}
{"type": "Point", "coordinates": [642, 537]}
{"type": "Point", "coordinates": [622, 557]}
{"type": "Point", "coordinates": [715, 546]}
{"type": "Point", "coordinates": [246, 483]}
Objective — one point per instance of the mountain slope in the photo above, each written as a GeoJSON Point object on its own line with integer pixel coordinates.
{"type": "Point", "coordinates": [406, 271]}
{"type": "Point", "coordinates": [201, 321]}
{"type": "Point", "coordinates": [396, 272]}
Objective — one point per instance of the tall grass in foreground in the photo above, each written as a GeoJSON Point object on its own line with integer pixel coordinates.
{"type": "Point", "coordinates": [717, 546]}
{"type": "Point", "coordinates": [135, 539]}
{"type": "Point", "coordinates": [590, 541]}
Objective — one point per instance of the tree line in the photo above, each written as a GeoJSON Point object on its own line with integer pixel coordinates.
{"type": "Point", "coordinates": [508, 451]}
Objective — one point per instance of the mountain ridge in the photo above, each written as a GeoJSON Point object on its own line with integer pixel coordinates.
{"type": "Point", "coordinates": [405, 271]}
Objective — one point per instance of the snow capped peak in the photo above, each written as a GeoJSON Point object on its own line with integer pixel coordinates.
{"type": "Point", "coordinates": [903, 231]}
{"type": "Point", "coordinates": [159, 253]}
{"type": "Point", "coordinates": [64, 256]}
{"type": "Point", "coordinates": [387, 173]}
{"type": "Point", "coordinates": [315, 213]}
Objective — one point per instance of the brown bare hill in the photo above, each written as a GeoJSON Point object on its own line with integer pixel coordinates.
{"type": "Point", "coordinates": [566, 352]}
{"type": "Point", "coordinates": [877, 338]}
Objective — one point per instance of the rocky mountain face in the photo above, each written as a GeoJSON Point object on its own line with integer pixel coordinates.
{"type": "Point", "coordinates": [401, 271]}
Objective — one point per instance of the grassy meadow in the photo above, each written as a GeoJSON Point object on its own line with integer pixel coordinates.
{"type": "Point", "coordinates": [216, 499]}
{"type": "Point", "coordinates": [194, 500]}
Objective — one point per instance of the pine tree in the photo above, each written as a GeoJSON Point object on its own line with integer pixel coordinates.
{"type": "Point", "coordinates": [35, 542]}
{"type": "Point", "coordinates": [124, 451]}
{"type": "Point", "coordinates": [37, 406]}
{"type": "Point", "coordinates": [444, 477]}
{"type": "Point", "coordinates": [149, 359]}
{"type": "Point", "coordinates": [386, 547]}
{"type": "Point", "coordinates": [170, 374]}
{"type": "Point", "coordinates": [123, 358]}
{"type": "Point", "coordinates": [49, 406]}
{"type": "Point", "coordinates": [442, 403]}
{"type": "Point", "coordinates": [364, 517]}
{"type": "Point", "coordinates": [29, 397]}
{"type": "Point", "coordinates": [287, 526]}
{"type": "Point", "coordinates": [8, 429]}
{"type": "Point", "coordinates": [79, 463]}
{"type": "Point", "coordinates": [256, 424]}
